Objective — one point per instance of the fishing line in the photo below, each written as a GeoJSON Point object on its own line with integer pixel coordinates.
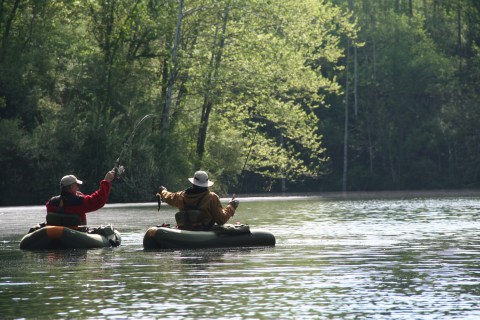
{"type": "Point", "coordinates": [119, 169]}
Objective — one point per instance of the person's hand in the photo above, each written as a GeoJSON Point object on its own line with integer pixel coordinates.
{"type": "Point", "coordinates": [160, 190]}
{"type": "Point", "coordinates": [234, 203]}
{"type": "Point", "coordinates": [110, 175]}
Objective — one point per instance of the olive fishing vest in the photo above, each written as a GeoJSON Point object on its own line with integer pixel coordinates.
{"type": "Point", "coordinates": [192, 218]}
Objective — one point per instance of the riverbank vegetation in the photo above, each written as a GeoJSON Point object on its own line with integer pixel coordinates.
{"type": "Point", "coordinates": [266, 96]}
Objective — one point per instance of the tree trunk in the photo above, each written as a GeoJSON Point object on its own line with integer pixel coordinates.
{"type": "Point", "coordinates": [397, 6]}
{"type": "Point", "coordinates": [202, 131]}
{"type": "Point", "coordinates": [345, 136]}
{"type": "Point", "coordinates": [355, 81]}
{"type": "Point", "coordinates": [375, 96]}
{"type": "Point", "coordinates": [459, 38]}
{"type": "Point", "coordinates": [108, 56]}
{"type": "Point", "coordinates": [216, 58]}
{"type": "Point", "coordinates": [347, 92]}
{"type": "Point", "coordinates": [164, 125]}
{"type": "Point", "coordinates": [182, 89]}
{"type": "Point", "coordinates": [8, 27]}
{"type": "Point", "coordinates": [165, 77]}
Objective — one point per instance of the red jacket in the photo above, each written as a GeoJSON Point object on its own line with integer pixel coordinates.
{"type": "Point", "coordinates": [80, 204]}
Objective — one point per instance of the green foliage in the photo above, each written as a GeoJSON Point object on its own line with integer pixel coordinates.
{"type": "Point", "coordinates": [267, 82]}
{"type": "Point", "coordinates": [260, 78]}
{"type": "Point", "coordinates": [411, 86]}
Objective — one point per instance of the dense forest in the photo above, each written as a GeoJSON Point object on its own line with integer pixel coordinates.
{"type": "Point", "coordinates": [266, 96]}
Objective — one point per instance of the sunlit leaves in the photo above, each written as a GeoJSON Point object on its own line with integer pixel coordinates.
{"type": "Point", "coordinates": [83, 72]}
{"type": "Point", "coordinates": [268, 76]}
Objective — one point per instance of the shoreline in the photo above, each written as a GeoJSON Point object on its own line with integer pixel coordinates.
{"type": "Point", "coordinates": [334, 195]}
{"type": "Point", "coordinates": [367, 194]}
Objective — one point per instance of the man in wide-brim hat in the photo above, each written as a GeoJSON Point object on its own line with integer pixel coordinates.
{"type": "Point", "coordinates": [199, 198]}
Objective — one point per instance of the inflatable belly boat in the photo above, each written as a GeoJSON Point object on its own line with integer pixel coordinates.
{"type": "Point", "coordinates": [60, 237]}
{"type": "Point", "coordinates": [162, 237]}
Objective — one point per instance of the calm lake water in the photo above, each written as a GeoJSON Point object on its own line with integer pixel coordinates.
{"type": "Point", "coordinates": [372, 258]}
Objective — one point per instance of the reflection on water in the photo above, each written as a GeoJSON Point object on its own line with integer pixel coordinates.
{"type": "Point", "coordinates": [353, 259]}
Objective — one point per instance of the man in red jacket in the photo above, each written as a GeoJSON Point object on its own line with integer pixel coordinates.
{"type": "Point", "coordinates": [72, 201]}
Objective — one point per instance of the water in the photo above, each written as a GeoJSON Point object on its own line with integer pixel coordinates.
{"type": "Point", "coordinates": [404, 258]}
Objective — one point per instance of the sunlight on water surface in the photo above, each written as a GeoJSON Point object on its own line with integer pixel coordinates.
{"type": "Point", "coordinates": [344, 259]}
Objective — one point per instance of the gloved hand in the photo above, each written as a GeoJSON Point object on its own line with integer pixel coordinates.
{"type": "Point", "coordinates": [234, 203]}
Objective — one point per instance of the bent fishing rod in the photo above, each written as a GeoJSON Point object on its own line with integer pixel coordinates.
{"type": "Point", "coordinates": [119, 169]}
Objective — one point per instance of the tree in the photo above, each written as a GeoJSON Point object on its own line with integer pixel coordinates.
{"type": "Point", "coordinates": [276, 50]}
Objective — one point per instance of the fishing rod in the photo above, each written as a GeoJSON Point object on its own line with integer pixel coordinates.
{"type": "Point", "coordinates": [242, 176]}
{"type": "Point", "coordinates": [119, 169]}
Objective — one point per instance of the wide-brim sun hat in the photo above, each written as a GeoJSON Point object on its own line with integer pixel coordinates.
{"type": "Point", "coordinates": [69, 180]}
{"type": "Point", "coordinates": [200, 179]}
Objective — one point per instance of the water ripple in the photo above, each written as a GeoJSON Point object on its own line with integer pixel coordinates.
{"type": "Point", "coordinates": [334, 259]}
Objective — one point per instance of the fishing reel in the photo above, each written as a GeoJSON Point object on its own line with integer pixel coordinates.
{"type": "Point", "coordinates": [119, 171]}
